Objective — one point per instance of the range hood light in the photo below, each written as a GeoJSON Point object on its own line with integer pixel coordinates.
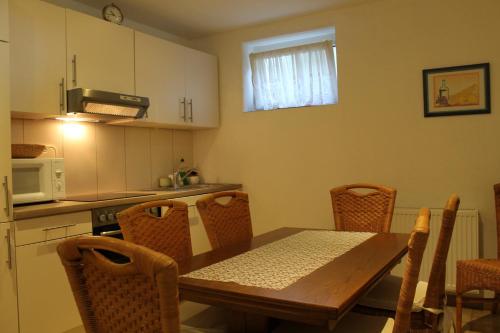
{"type": "Point", "coordinates": [105, 106]}
{"type": "Point", "coordinates": [113, 110]}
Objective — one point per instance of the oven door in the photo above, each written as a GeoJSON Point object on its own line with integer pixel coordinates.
{"type": "Point", "coordinates": [31, 180]}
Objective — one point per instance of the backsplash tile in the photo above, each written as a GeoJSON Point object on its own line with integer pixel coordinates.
{"type": "Point", "coordinates": [103, 158]}
{"type": "Point", "coordinates": [110, 147]}
{"type": "Point", "coordinates": [80, 158]}
{"type": "Point", "coordinates": [183, 147]}
{"type": "Point", "coordinates": [138, 158]}
{"type": "Point", "coordinates": [161, 154]}
{"type": "Point", "coordinates": [46, 132]}
{"type": "Point", "coordinates": [17, 131]}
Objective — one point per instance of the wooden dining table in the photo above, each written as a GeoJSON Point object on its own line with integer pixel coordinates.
{"type": "Point", "coordinates": [320, 298]}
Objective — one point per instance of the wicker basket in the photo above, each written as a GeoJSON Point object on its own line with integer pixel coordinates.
{"type": "Point", "coordinates": [27, 150]}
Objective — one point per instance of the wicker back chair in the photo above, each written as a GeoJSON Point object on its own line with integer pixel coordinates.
{"type": "Point", "coordinates": [226, 223]}
{"type": "Point", "coordinates": [140, 296]}
{"type": "Point", "coordinates": [434, 296]}
{"type": "Point", "coordinates": [354, 211]}
{"type": "Point", "coordinates": [168, 234]}
{"type": "Point", "coordinates": [416, 248]}
{"type": "Point", "coordinates": [482, 274]}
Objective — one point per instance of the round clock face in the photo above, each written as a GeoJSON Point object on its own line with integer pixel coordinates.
{"type": "Point", "coordinates": [112, 14]}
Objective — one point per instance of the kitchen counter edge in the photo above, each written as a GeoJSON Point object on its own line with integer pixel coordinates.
{"type": "Point", "coordinates": [63, 207]}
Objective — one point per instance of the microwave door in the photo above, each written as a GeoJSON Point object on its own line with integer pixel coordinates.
{"type": "Point", "coordinates": [31, 181]}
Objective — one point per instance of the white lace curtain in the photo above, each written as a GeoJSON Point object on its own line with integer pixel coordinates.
{"type": "Point", "coordinates": [295, 76]}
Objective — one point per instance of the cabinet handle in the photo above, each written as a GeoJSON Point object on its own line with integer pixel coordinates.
{"type": "Point", "coordinates": [9, 250]}
{"type": "Point", "coordinates": [190, 109]}
{"type": "Point", "coordinates": [59, 227]}
{"type": "Point", "coordinates": [61, 95]}
{"type": "Point", "coordinates": [7, 196]}
{"type": "Point", "coordinates": [183, 102]}
{"type": "Point", "coordinates": [74, 70]}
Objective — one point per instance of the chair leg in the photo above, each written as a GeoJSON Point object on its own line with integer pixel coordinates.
{"type": "Point", "coordinates": [458, 329]}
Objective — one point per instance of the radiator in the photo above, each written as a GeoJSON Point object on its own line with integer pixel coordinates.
{"type": "Point", "coordinates": [464, 243]}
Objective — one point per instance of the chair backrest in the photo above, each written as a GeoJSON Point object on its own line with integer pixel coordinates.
{"type": "Point", "coordinates": [437, 279]}
{"type": "Point", "coordinates": [355, 211]}
{"type": "Point", "coordinates": [168, 234]}
{"type": "Point", "coordinates": [226, 223]}
{"type": "Point", "coordinates": [139, 296]}
{"type": "Point", "coordinates": [416, 248]}
{"type": "Point", "coordinates": [496, 187]}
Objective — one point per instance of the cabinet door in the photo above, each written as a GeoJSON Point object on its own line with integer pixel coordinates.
{"type": "Point", "coordinates": [159, 75]}
{"type": "Point", "coordinates": [5, 155]}
{"type": "Point", "coordinates": [38, 57]}
{"type": "Point", "coordinates": [46, 303]}
{"type": "Point", "coordinates": [8, 289]}
{"type": "Point", "coordinates": [100, 54]}
{"type": "Point", "coordinates": [4, 20]}
{"type": "Point", "coordinates": [202, 90]}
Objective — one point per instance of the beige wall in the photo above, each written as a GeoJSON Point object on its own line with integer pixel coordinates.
{"type": "Point", "coordinates": [289, 159]}
{"type": "Point", "coordinates": [102, 158]}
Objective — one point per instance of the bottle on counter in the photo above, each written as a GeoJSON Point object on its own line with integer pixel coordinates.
{"type": "Point", "coordinates": [182, 172]}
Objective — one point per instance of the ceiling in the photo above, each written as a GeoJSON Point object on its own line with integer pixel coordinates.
{"type": "Point", "coordinates": [198, 18]}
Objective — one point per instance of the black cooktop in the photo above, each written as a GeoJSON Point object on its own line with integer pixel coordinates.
{"type": "Point", "coordinates": [105, 196]}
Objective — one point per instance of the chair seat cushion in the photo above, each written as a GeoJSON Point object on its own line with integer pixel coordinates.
{"type": "Point", "coordinates": [385, 295]}
{"type": "Point", "coordinates": [351, 323]}
{"type": "Point", "coordinates": [478, 274]}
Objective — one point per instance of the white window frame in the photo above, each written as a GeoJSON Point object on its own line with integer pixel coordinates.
{"type": "Point", "coordinates": [274, 43]}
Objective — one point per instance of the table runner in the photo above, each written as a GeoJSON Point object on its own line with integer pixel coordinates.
{"type": "Point", "coordinates": [281, 263]}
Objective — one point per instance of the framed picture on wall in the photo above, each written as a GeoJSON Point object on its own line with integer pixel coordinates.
{"type": "Point", "coordinates": [459, 90]}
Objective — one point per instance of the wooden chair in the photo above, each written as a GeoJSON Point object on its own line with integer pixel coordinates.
{"type": "Point", "coordinates": [355, 211]}
{"type": "Point", "coordinates": [354, 322]}
{"type": "Point", "coordinates": [480, 274]}
{"type": "Point", "coordinates": [168, 234]}
{"type": "Point", "coordinates": [227, 223]}
{"type": "Point", "coordinates": [429, 304]}
{"type": "Point", "coordinates": [139, 296]}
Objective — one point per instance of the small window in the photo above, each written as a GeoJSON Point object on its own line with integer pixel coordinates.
{"type": "Point", "coordinates": [290, 71]}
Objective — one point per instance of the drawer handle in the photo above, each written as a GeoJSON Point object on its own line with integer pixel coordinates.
{"type": "Point", "coordinates": [60, 227]}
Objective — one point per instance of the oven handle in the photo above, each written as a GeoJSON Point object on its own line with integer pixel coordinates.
{"type": "Point", "coordinates": [110, 233]}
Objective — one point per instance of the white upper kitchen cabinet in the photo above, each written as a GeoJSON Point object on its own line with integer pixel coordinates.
{"type": "Point", "coordinates": [8, 289]}
{"type": "Point", "coordinates": [160, 76]}
{"type": "Point", "coordinates": [5, 154]}
{"type": "Point", "coordinates": [202, 89]}
{"type": "Point", "coordinates": [100, 54]}
{"type": "Point", "coordinates": [4, 20]}
{"type": "Point", "coordinates": [38, 58]}
{"type": "Point", "coordinates": [181, 83]}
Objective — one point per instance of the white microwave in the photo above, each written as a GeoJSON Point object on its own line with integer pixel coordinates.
{"type": "Point", "coordinates": [37, 180]}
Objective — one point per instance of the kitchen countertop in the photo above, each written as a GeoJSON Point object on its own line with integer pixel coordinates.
{"type": "Point", "coordinates": [62, 207]}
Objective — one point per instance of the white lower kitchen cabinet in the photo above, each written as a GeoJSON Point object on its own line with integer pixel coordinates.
{"type": "Point", "coordinates": [8, 288]}
{"type": "Point", "coordinates": [45, 300]}
{"type": "Point", "coordinates": [199, 239]}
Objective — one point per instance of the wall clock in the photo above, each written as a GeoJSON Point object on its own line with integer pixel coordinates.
{"type": "Point", "coordinates": [112, 14]}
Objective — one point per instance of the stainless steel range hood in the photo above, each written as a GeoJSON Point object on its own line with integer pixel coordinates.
{"type": "Point", "coordinates": [105, 106]}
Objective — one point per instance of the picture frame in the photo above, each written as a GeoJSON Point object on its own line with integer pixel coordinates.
{"type": "Point", "coordinates": [458, 90]}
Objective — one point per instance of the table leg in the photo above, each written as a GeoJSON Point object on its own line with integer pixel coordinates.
{"type": "Point", "coordinates": [331, 324]}
{"type": "Point", "coordinates": [241, 322]}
